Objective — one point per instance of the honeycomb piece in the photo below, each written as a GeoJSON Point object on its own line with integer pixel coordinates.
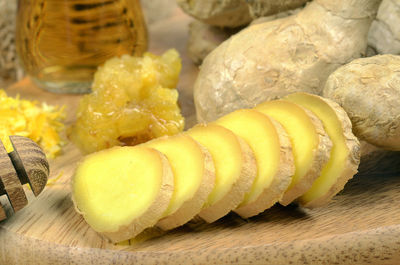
{"type": "Point", "coordinates": [133, 100]}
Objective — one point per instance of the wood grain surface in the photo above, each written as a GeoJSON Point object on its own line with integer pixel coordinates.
{"type": "Point", "coordinates": [10, 182]}
{"type": "Point", "coordinates": [30, 162]}
{"type": "Point", "coordinates": [360, 226]}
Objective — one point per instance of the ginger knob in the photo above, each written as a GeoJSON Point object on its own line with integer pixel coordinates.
{"type": "Point", "coordinates": [27, 163]}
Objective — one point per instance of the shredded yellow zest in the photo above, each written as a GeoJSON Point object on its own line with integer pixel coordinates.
{"type": "Point", "coordinates": [42, 124]}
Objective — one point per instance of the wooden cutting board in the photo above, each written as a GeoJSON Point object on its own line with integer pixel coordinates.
{"type": "Point", "coordinates": [360, 226]}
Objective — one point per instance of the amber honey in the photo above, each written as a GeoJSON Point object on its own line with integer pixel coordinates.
{"type": "Point", "coordinates": [61, 43]}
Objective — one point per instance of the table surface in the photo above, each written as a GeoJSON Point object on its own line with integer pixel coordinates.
{"type": "Point", "coordinates": [360, 226]}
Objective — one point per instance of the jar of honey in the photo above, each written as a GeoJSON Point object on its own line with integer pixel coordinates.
{"type": "Point", "coordinates": [60, 43]}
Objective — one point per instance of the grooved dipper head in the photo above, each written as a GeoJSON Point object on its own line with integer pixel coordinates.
{"type": "Point", "coordinates": [26, 164]}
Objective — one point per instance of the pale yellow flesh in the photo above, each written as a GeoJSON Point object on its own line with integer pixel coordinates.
{"type": "Point", "coordinates": [187, 162]}
{"type": "Point", "coordinates": [260, 134]}
{"type": "Point", "coordinates": [227, 157]}
{"type": "Point", "coordinates": [113, 187]}
{"type": "Point", "coordinates": [300, 130]}
{"type": "Point", "coordinates": [339, 152]}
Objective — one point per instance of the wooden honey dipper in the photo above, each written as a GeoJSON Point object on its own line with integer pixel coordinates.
{"type": "Point", "coordinates": [25, 164]}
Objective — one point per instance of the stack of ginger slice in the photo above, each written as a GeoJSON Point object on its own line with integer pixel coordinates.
{"type": "Point", "coordinates": [297, 149]}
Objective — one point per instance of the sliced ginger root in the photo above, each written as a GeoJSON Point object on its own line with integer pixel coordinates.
{"type": "Point", "coordinates": [119, 194]}
{"type": "Point", "coordinates": [344, 155]}
{"type": "Point", "coordinates": [133, 101]}
{"type": "Point", "coordinates": [194, 178]}
{"type": "Point", "coordinates": [311, 144]}
{"type": "Point", "coordinates": [235, 169]}
{"type": "Point", "coordinates": [245, 161]}
{"type": "Point", "coordinates": [274, 158]}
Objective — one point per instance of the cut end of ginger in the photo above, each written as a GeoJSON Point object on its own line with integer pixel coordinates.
{"type": "Point", "coordinates": [226, 153]}
{"type": "Point", "coordinates": [280, 180]}
{"type": "Point", "coordinates": [345, 153]}
{"type": "Point", "coordinates": [235, 169]}
{"type": "Point", "coordinates": [261, 135]}
{"type": "Point", "coordinates": [42, 124]}
{"type": "Point", "coordinates": [194, 177]}
{"type": "Point", "coordinates": [133, 100]}
{"type": "Point", "coordinates": [119, 194]}
{"type": "Point", "coordinates": [311, 144]}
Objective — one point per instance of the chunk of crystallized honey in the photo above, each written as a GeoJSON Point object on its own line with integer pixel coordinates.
{"type": "Point", "coordinates": [133, 100]}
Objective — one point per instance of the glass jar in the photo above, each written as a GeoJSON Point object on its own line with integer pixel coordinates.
{"type": "Point", "coordinates": [60, 43]}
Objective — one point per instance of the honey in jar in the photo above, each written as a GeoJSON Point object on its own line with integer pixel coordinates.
{"type": "Point", "coordinates": [61, 43]}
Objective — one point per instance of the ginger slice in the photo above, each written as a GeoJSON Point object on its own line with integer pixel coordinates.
{"type": "Point", "coordinates": [274, 158]}
{"type": "Point", "coordinates": [119, 194]}
{"type": "Point", "coordinates": [235, 169]}
{"type": "Point", "coordinates": [311, 144]}
{"type": "Point", "coordinates": [194, 178]}
{"type": "Point", "coordinates": [345, 153]}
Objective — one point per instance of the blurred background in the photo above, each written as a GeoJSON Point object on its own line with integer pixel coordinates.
{"type": "Point", "coordinates": [10, 70]}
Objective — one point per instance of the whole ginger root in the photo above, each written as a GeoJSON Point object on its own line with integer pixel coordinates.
{"type": "Point", "coordinates": [235, 13]}
{"type": "Point", "coordinates": [272, 59]}
{"type": "Point", "coordinates": [204, 38]}
{"type": "Point", "coordinates": [384, 34]}
{"type": "Point", "coordinates": [225, 13]}
{"type": "Point", "coordinates": [262, 8]}
{"type": "Point", "coordinates": [368, 89]}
